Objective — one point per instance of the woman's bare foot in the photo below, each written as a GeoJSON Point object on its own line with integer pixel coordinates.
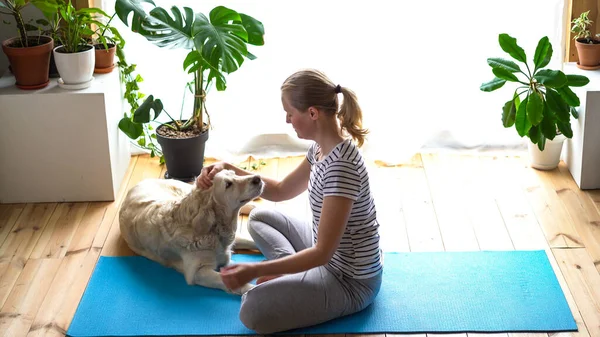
{"type": "Point", "coordinates": [266, 278]}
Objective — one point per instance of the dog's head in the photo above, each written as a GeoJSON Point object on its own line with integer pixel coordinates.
{"type": "Point", "coordinates": [235, 191]}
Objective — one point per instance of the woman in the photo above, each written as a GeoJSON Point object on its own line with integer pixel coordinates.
{"type": "Point", "coordinates": [333, 268]}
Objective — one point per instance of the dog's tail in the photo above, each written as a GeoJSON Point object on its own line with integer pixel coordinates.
{"type": "Point", "coordinates": [243, 243]}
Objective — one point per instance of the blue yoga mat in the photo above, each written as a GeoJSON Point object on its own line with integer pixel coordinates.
{"type": "Point", "coordinates": [490, 291]}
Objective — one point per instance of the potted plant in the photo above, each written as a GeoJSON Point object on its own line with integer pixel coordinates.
{"type": "Point", "coordinates": [75, 58]}
{"type": "Point", "coordinates": [105, 47]}
{"type": "Point", "coordinates": [542, 104]}
{"type": "Point", "coordinates": [217, 45]}
{"type": "Point", "coordinates": [588, 46]}
{"type": "Point", "coordinates": [50, 26]}
{"type": "Point", "coordinates": [29, 56]}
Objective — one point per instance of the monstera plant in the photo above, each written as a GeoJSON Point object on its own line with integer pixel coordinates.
{"type": "Point", "coordinates": [217, 44]}
{"type": "Point", "coordinates": [542, 103]}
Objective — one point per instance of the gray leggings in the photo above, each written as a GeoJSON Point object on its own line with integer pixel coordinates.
{"type": "Point", "coordinates": [303, 299]}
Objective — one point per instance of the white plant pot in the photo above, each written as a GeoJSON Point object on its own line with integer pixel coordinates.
{"type": "Point", "coordinates": [550, 157]}
{"type": "Point", "coordinates": [75, 68]}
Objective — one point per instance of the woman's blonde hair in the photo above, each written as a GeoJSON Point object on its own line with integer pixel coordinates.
{"type": "Point", "coordinates": [311, 87]}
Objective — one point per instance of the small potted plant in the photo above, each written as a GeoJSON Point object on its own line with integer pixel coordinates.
{"type": "Point", "coordinates": [543, 102]}
{"type": "Point", "coordinates": [217, 46]}
{"type": "Point", "coordinates": [29, 56]}
{"type": "Point", "coordinates": [75, 58]}
{"type": "Point", "coordinates": [108, 40]}
{"type": "Point", "coordinates": [588, 46]}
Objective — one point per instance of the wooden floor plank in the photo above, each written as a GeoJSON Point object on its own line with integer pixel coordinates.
{"type": "Point", "coordinates": [446, 184]}
{"type": "Point", "coordinates": [18, 312]}
{"type": "Point", "coordinates": [584, 282]}
{"type": "Point", "coordinates": [581, 209]}
{"type": "Point", "coordinates": [27, 230]}
{"type": "Point", "coordinates": [549, 210]}
{"type": "Point", "coordinates": [9, 213]}
{"type": "Point", "coordinates": [419, 214]}
{"type": "Point", "coordinates": [60, 303]}
{"type": "Point", "coordinates": [57, 235]}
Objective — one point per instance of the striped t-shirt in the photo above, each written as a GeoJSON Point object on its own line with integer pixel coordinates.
{"type": "Point", "coordinates": [342, 172]}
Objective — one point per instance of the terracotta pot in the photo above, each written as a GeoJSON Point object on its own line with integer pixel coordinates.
{"type": "Point", "coordinates": [30, 65]}
{"type": "Point", "coordinates": [105, 57]}
{"type": "Point", "coordinates": [588, 53]}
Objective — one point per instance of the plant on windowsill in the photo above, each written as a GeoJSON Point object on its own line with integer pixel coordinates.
{"type": "Point", "coordinates": [217, 46]}
{"type": "Point", "coordinates": [108, 40]}
{"type": "Point", "coordinates": [588, 46]}
{"type": "Point", "coordinates": [544, 113]}
{"type": "Point", "coordinates": [29, 56]}
{"type": "Point", "coordinates": [75, 47]}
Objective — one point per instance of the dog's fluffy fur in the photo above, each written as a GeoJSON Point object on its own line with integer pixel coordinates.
{"type": "Point", "coordinates": [188, 228]}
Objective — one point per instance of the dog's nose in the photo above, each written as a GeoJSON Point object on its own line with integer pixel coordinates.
{"type": "Point", "coordinates": [256, 180]}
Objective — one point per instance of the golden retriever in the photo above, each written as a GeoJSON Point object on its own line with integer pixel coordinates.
{"type": "Point", "coordinates": [190, 229]}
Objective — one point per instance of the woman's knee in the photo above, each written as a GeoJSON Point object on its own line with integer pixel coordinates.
{"type": "Point", "coordinates": [258, 218]}
{"type": "Point", "coordinates": [253, 314]}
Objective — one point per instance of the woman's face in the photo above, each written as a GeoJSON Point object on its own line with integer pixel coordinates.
{"type": "Point", "coordinates": [300, 120]}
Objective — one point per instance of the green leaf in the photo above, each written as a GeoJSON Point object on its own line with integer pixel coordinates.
{"type": "Point", "coordinates": [170, 32]}
{"type": "Point", "coordinates": [535, 106]}
{"type": "Point", "coordinates": [509, 111]}
{"type": "Point", "coordinates": [548, 126]}
{"type": "Point", "coordinates": [543, 53]}
{"type": "Point", "coordinates": [505, 74]}
{"type": "Point", "coordinates": [123, 8]}
{"type": "Point", "coordinates": [509, 45]}
{"type": "Point", "coordinates": [541, 142]}
{"type": "Point", "coordinates": [505, 64]}
{"type": "Point", "coordinates": [131, 129]}
{"type": "Point", "coordinates": [557, 104]}
{"type": "Point", "coordinates": [534, 134]}
{"type": "Point", "coordinates": [255, 30]}
{"type": "Point", "coordinates": [551, 78]}
{"type": "Point", "coordinates": [574, 112]}
{"type": "Point", "coordinates": [142, 114]}
{"type": "Point", "coordinates": [492, 85]}
{"type": "Point", "coordinates": [522, 124]}
{"type": "Point", "coordinates": [569, 96]}
{"type": "Point", "coordinates": [507, 118]}
{"type": "Point", "coordinates": [565, 128]}
{"type": "Point", "coordinates": [577, 80]}
{"type": "Point", "coordinates": [222, 41]}
{"type": "Point", "coordinates": [142, 141]}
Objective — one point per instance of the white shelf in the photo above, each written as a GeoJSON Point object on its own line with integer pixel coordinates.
{"type": "Point", "coordinates": [60, 145]}
{"type": "Point", "coordinates": [582, 152]}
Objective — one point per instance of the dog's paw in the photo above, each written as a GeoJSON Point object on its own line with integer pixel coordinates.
{"type": "Point", "coordinates": [242, 290]}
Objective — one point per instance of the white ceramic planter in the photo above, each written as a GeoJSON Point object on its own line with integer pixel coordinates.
{"type": "Point", "coordinates": [75, 68]}
{"type": "Point", "coordinates": [550, 157]}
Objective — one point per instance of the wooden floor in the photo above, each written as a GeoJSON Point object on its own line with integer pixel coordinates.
{"type": "Point", "coordinates": [435, 202]}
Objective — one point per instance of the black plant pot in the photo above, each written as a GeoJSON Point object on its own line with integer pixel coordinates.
{"type": "Point", "coordinates": [53, 71]}
{"type": "Point", "coordinates": [184, 157]}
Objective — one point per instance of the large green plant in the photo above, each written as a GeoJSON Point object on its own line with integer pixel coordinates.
{"type": "Point", "coordinates": [218, 45]}
{"type": "Point", "coordinates": [542, 105]}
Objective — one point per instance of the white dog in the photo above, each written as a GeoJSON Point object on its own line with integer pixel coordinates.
{"type": "Point", "coordinates": [187, 228]}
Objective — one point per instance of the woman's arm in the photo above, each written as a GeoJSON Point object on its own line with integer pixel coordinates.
{"type": "Point", "coordinates": [291, 186]}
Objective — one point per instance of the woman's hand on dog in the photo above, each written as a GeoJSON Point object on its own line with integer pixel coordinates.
{"type": "Point", "coordinates": [235, 276]}
{"type": "Point", "coordinates": [207, 174]}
